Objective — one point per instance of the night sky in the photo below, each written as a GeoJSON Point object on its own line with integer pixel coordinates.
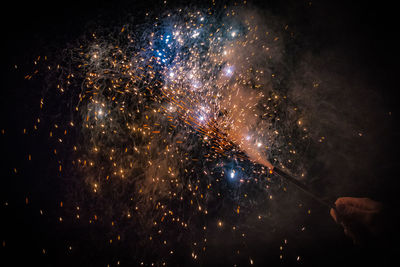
{"type": "Point", "coordinates": [79, 177]}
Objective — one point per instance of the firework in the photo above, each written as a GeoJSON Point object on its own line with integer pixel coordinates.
{"type": "Point", "coordinates": [169, 124]}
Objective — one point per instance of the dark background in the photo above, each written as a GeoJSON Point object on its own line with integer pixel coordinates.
{"type": "Point", "coordinates": [365, 34]}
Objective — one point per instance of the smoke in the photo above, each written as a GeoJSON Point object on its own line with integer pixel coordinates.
{"type": "Point", "coordinates": [156, 107]}
{"type": "Point", "coordinates": [344, 115]}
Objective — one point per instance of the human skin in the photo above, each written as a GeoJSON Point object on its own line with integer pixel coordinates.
{"type": "Point", "coordinates": [360, 217]}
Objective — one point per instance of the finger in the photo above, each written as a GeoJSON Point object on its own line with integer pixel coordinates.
{"type": "Point", "coordinates": [343, 208]}
{"type": "Point", "coordinates": [361, 203]}
{"type": "Point", "coordinates": [347, 201]}
{"type": "Point", "coordinates": [347, 213]}
{"type": "Point", "coordinates": [348, 232]}
{"type": "Point", "coordinates": [334, 215]}
{"type": "Point", "coordinates": [371, 204]}
{"type": "Point", "coordinates": [350, 213]}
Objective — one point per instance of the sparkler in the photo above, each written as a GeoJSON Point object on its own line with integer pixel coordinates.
{"type": "Point", "coordinates": [301, 186]}
{"type": "Point", "coordinates": [163, 107]}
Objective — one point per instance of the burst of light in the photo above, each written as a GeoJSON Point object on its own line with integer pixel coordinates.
{"type": "Point", "coordinates": [195, 34]}
{"type": "Point", "coordinates": [148, 117]}
{"type": "Point", "coordinates": [228, 71]}
{"type": "Point", "coordinates": [196, 84]}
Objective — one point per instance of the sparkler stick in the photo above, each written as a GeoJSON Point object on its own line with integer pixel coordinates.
{"type": "Point", "coordinates": [220, 137]}
{"type": "Point", "coordinates": [301, 186]}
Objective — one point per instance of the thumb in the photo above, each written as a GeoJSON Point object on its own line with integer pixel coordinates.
{"type": "Point", "coordinates": [334, 215]}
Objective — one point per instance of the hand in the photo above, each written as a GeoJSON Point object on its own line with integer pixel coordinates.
{"type": "Point", "coordinates": [360, 217]}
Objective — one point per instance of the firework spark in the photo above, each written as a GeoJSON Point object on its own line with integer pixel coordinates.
{"type": "Point", "coordinates": [170, 122]}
